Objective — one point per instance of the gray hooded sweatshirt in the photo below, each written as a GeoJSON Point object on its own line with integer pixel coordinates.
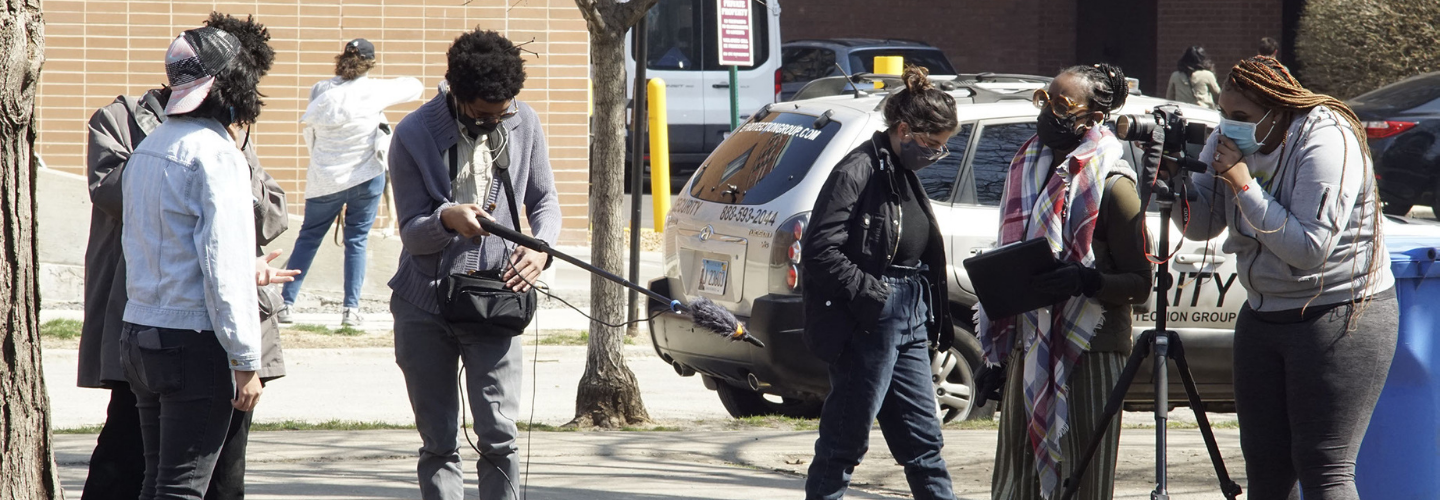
{"type": "Point", "coordinates": [1304, 230]}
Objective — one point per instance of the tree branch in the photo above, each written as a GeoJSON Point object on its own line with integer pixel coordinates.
{"type": "Point", "coordinates": [594, 18]}
{"type": "Point", "coordinates": [628, 14]}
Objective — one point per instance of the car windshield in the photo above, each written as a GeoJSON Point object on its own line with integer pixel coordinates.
{"type": "Point", "coordinates": [863, 61]}
{"type": "Point", "coordinates": [1400, 96]}
{"type": "Point", "coordinates": [763, 160]}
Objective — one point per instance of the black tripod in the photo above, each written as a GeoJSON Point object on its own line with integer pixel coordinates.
{"type": "Point", "coordinates": [1167, 346]}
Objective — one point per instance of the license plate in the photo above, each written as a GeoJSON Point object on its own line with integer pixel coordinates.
{"type": "Point", "coordinates": [713, 276]}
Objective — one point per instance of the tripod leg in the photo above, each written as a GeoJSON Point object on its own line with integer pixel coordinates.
{"type": "Point", "coordinates": [1112, 408]}
{"type": "Point", "coordinates": [1229, 487]}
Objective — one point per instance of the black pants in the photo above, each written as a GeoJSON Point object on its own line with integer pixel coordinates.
{"type": "Point", "coordinates": [1304, 392]}
{"type": "Point", "coordinates": [117, 467]}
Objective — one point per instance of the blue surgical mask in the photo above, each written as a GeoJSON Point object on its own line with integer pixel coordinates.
{"type": "Point", "coordinates": [1243, 133]}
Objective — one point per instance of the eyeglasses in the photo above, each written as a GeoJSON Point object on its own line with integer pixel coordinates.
{"type": "Point", "coordinates": [490, 120]}
{"type": "Point", "coordinates": [931, 153]}
{"type": "Point", "coordinates": [1043, 100]}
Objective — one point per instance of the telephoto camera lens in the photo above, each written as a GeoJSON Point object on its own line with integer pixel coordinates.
{"type": "Point", "coordinates": [1135, 127]}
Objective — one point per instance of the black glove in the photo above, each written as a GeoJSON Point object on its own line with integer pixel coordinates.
{"type": "Point", "coordinates": [989, 384]}
{"type": "Point", "coordinates": [1072, 279]}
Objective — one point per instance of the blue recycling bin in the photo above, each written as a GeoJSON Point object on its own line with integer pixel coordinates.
{"type": "Point", "coordinates": [1400, 457]}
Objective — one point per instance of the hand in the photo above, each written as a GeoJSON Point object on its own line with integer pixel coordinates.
{"type": "Point", "coordinates": [1071, 279]}
{"type": "Point", "coordinates": [1230, 165]}
{"type": "Point", "coordinates": [265, 275]}
{"type": "Point", "coordinates": [989, 384]}
{"type": "Point", "coordinates": [529, 263]}
{"type": "Point", "coordinates": [465, 219]}
{"type": "Point", "coordinates": [247, 390]}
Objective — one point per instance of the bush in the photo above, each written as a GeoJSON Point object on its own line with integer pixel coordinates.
{"type": "Point", "coordinates": [1348, 47]}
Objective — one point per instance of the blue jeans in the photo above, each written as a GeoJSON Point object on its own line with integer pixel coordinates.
{"type": "Point", "coordinates": [883, 374]}
{"type": "Point", "coordinates": [360, 203]}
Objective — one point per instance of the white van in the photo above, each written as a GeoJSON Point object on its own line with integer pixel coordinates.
{"type": "Point", "coordinates": [683, 51]}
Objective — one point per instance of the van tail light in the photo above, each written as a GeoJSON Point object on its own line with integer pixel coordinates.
{"type": "Point", "coordinates": [777, 85]}
{"type": "Point", "coordinates": [785, 255]}
{"type": "Point", "coordinates": [1383, 129]}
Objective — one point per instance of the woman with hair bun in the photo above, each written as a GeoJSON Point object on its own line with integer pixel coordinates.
{"type": "Point", "coordinates": [875, 296]}
{"type": "Point", "coordinates": [1069, 186]}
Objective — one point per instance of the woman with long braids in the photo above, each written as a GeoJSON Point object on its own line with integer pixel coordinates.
{"type": "Point", "coordinates": [875, 297]}
{"type": "Point", "coordinates": [1069, 186]}
{"type": "Point", "coordinates": [1293, 181]}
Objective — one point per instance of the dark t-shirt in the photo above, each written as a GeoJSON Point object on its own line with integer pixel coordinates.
{"type": "Point", "coordinates": [914, 229]}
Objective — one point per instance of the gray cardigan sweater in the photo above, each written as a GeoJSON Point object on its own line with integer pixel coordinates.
{"type": "Point", "coordinates": [421, 181]}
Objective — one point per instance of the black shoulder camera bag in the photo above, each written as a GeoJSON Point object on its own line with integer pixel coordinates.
{"type": "Point", "coordinates": [479, 300]}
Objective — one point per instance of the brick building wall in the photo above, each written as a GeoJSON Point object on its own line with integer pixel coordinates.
{"type": "Point", "coordinates": [1230, 30]}
{"type": "Point", "coordinates": [1035, 36]}
{"type": "Point", "coordinates": [98, 49]}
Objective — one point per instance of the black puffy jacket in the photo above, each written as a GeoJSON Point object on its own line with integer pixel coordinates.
{"type": "Point", "coordinates": [853, 234]}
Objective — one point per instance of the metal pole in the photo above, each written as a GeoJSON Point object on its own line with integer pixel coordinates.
{"type": "Point", "coordinates": [637, 166]}
{"type": "Point", "coordinates": [734, 99]}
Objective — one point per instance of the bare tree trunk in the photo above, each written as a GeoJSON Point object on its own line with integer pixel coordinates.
{"type": "Point", "coordinates": [27, 467]}
{"type": "Point", "coordinates": [609, 395]}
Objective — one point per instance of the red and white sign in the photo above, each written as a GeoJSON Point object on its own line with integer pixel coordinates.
{"type": "Point", "coordinates": [736, 36]}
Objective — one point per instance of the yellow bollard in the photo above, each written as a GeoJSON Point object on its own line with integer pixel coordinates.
{"type": "Point", "coordinates": [888, 65]}
{"type": "Point", "coordinates": [659, 152]}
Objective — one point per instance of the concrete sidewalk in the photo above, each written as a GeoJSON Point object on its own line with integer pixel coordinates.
{"type": "Point", "coordinates": [652, 465]}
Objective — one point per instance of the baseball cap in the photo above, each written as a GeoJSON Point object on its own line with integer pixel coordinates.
{"type": "Point", "coordinates": [192, 62]}
{"type": "Point", "coordinates": [361, 46]}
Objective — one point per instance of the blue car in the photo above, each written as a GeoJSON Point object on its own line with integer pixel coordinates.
{"type": "Point", "coordinates": [1402, 121]}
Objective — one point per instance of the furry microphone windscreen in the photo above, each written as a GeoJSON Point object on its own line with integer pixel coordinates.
{"type": "Point", "coordinates": [710, 316]}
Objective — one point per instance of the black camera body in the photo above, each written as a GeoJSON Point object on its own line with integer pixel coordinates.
{"type": "Point", "coordinates": [1167, 136]}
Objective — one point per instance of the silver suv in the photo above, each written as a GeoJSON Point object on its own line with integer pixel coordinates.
{"type": "Point", "coordinates": [734, 231]}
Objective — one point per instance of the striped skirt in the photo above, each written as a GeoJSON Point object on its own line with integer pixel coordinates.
{"type": "Point", "coordinates": [1090, 385]}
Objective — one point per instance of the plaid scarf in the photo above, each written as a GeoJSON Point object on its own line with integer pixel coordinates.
{"type": "Point", "coordinates": [1063, 210]}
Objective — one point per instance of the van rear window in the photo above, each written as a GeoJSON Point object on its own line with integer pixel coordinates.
{"type": "Point", "coordinates": [762, 160]}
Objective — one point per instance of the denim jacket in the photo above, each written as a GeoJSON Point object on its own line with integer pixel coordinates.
{"type": "Point", "coordinates": [189, 236]}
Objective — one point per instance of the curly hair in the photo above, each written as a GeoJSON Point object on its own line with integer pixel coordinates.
{"type": "Point", "coordinates": [235, 97]}
{"type": "Point", "coordinates": [927, 109]}
{"type": "Point", "coordinates": [351, 65]}
{"type": "Point", "coordinates": [1108, 87]}
{"type": "Point", "coordinates": [484, 65]}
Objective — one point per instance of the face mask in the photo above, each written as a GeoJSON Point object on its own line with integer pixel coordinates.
{"type": "Point", "coordinates": [476, 128]}
{"type": "Point", "coordinates": [1243, 133]}
{"type": "Point", "coordinates": [913, 156]}
{"type": "Point", "coordinates": [1058, 133]}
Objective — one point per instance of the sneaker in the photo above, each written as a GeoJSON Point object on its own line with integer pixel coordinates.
{"type": "Point", "coordinates": [351, 317]}
{"type": "Point", "coordinates": [283, 315]}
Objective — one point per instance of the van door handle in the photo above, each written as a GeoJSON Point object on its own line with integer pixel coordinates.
{"type": "Point", "coordinates": [721, 85]}
{"type": "Point", "coordinates": [1199, 259]}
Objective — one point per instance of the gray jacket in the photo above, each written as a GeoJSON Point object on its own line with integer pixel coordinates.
{"type": "Point", "coordinates": [114, 132]}
{"type": "Point", "coordinates": [1303, 230]}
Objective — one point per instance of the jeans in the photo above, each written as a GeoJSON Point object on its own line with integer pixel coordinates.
{"type": "Point", "coordinates": [430, 352]}
{"type": "Point", "coordinates": [117, 467]}
{"type": "Point", "coordinates": [886, 374]}
{"type": "Point", "coordinates": [1304, 392]}
{"type": "Point", "coordinates": [183, 387]}
{"type": "Point", "coordinates": [360, 203]}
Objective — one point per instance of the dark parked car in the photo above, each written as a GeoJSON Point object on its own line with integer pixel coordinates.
{"type": "Point", "coordinates": [806, 60]}
{"type": "Point", "coordinates": [1402, 121]}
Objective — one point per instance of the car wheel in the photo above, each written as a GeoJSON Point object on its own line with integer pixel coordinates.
{"type": "Point", "coordinates": [1398, 209]}
{"type": "Point", "coordinates": [742, 402]}
{"type": "Point", "coordinates": [953, 373]}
